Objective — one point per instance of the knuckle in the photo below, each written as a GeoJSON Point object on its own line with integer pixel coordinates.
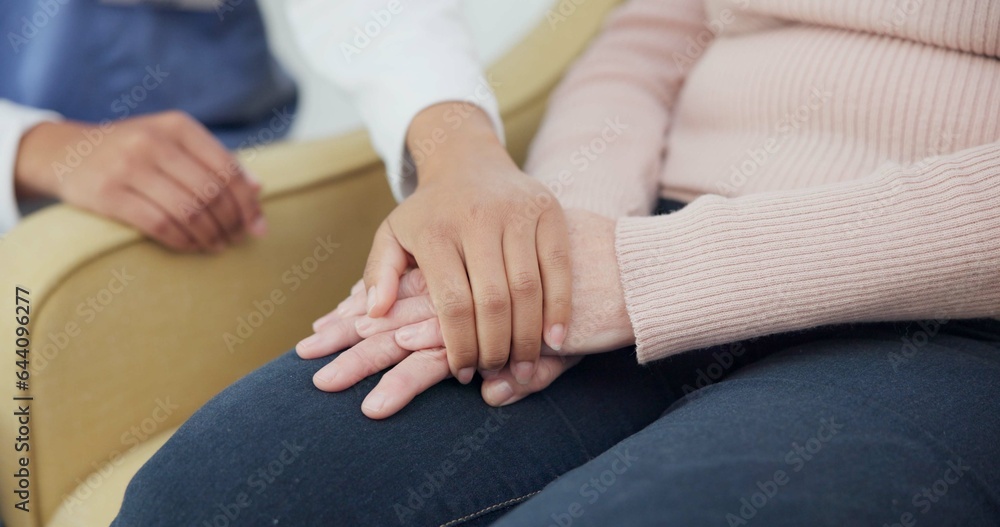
{"type": "Point", "coordinates": [492, 301]}
{"type": "Point", "coordinates": [176, 119]}
{"type": "Point", "coordinates": [492, 361]}
{"type": "Point", "coordinates": [557, 259]}
{"type": "Point", "coordinates": [455, 306]}
{"type": "Point", "coordinates": [525, 285]}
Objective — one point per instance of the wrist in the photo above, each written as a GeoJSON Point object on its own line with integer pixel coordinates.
{"type": "Point", "coordinates": [34, 175]}
{"type": "Point", "coordinates": [450, 138]}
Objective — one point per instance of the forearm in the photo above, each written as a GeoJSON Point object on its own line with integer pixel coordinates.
{"type": "Point", "coordinates": [907, 243]}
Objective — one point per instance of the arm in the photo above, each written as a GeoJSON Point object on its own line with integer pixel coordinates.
{"type": "Point", "coordinates": [491, 241]}
{"type": "Point", "coordinates": [421, 55]}
{"type": "Point", "coordinates": [15, 120]}
{"type": "Point", "coordinates": [610, 114]}
{"type": "Point", "coordinates": [906, 243]}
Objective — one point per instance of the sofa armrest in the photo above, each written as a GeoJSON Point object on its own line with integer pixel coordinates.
{"type": "Point", "coordinates": [128, 339]}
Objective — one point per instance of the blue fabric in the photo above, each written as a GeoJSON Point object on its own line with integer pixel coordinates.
{"type": "Point", "coordinates": [891, 424]}
{"type": "Point", "coordinates": [93, 61]}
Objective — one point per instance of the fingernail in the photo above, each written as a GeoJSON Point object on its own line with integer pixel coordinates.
{"type": "Point", "coordinates": [251, 177]}
{"type": "Point", "coordinates": [405, 334]}
{"type": "Point", "coordinates": [374, 402]}
{"type": "Point", "coordinates": [489, 374]}
{"type": "Point", "coordinates": [523, 371]}
{"type": "Point", "coordinates": [499, 393]}
{"type": "Point", "coordinates": [259, 226]}
{"type": "Point", "coordinates": [371, 299]}
{"type": "Point", "coordinates": [362, 324]}
{"type": "Point", "coordinates": [328, 375]}
{"type": "Point", "coordinates": [557, 334]}
{"type": "Point", "coordinates": [308, 342]}
{"type": "Point", "coordinates": [465, 375]}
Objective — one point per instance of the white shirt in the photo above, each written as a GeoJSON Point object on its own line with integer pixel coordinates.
{"type": "Point", "coordinates": [394, 58]}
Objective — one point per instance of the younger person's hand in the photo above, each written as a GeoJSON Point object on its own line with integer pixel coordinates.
{"type": "Point", "coordinates": [164, 174]}
{"type": "Point", "coordinates": [491, 241]}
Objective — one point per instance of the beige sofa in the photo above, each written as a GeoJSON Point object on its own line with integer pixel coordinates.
{"type": "Point", "coordinates": [127, 339]}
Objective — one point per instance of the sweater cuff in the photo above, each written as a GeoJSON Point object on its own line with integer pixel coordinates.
{"type": "Point", "coordinates": [876, 249]}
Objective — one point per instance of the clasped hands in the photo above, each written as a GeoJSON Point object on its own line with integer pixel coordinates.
{"type": "Point", "coordinates": [478, 270]}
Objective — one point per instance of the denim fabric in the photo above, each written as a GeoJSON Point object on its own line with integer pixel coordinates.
{"type": "Point", "coordinates": [889, 424]}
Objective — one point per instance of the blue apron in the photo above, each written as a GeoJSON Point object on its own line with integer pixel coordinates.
{"type": "Point", "coordinates": [96, 60]}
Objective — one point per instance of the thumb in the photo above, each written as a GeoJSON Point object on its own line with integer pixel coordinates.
{"type": "Point", "coordinates": [387, 261]}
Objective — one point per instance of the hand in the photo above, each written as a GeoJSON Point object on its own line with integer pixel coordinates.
{"type": "Point", "coordinates": [409, 337]}
{"type": "Point", "coordinates": [491, 242]}
{"type": "Point", "coordinates": [163, 174]}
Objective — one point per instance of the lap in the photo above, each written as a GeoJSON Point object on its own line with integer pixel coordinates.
{"type": "Point", "coordinates": [874, 425]}
{"type": "Point", "coordinates": [272, 448]}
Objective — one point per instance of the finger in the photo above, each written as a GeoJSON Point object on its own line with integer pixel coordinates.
{"type": "Point", "coordinates": [491, 298]}
{"type": "Point", "coordinates": [207, 192]}
{"type": "Point", "coordinates": [358, 287]}
{"type": "Point", "coordinates": [352, 306]}
{"type": "Point", "coordinates": [180, 205]}
{"type": "Point", "coordinates": [244, 189]}
{"type": "Point", "coordinates": [403, 313]}
{"type": "Point", "coordinates": [387, 261]}
{"type": "Point", "coordinates": [412, 284]}
{"type": "Point", "coordinates": [420, 336]}
{"type": "Point", "coordinates": [414, 375]}
{"type": "Point", "coordinates": [135, 209]}
{"type": "Point", "coordinates": [452, 300]}
{"type": "Point", "coordinates": [363, 360]}
{"type": "Point", "coordinates": [552, 240]}
{"type": "Point", "coordinates": [330, 339]}
{"type": "Point", "coordinates": [525, 284]}
{"type": "Point", "coordinates": [504, 388]}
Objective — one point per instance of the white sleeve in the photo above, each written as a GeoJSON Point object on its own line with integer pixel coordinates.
{"type": "Point", "coordinates": [394, 58]}
{"type": "Point", "coordinates": [15, 120]}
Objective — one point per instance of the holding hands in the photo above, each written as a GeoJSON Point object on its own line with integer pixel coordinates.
{"type": "Point", "coordinates": [409, 339]}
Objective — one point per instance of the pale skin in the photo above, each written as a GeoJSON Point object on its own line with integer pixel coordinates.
{"type": "Point", "coordinates": [162, 173]}
{"type": "Point", "coordinates": [408, 338]}
{"type": "Point", "coordinates": [491, 241]}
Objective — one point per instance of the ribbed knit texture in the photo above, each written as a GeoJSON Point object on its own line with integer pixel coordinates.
{"type": "Point", "coordinates": [847, 155]}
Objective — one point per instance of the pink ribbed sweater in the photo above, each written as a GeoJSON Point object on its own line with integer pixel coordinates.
{"type": "Point", "coordinates": [843, 157]}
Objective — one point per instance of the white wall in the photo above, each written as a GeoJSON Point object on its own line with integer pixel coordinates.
{"type": "Point", "coordinates": [496, 25]}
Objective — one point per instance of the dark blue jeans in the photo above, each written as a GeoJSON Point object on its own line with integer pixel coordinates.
{"type": "Point", "coordinates": [891, 424]}
{"type": "Point", "coordinates": [877, 424]}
